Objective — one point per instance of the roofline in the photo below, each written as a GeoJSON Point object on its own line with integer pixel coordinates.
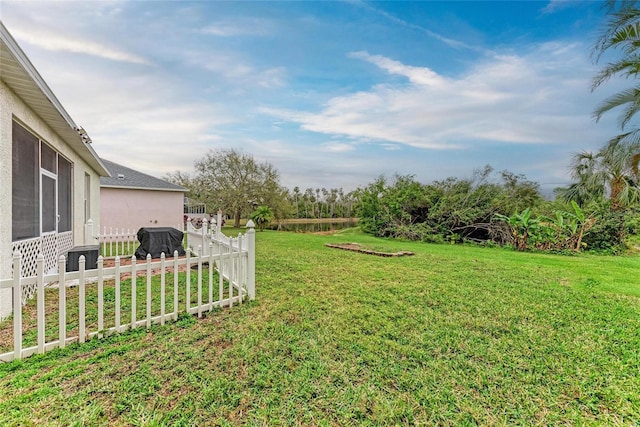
{"type": "Point", "coordinates": [124, 187]}
{"type": "Point", "coordinates": [30, 69]}
{"type": "Point", "coordinates": [33, 73]}
{"type": "Point", "coordinates": [99, 160]}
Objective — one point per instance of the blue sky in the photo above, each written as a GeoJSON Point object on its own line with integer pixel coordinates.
{"type": "Point", "coordinates": [332, 93]}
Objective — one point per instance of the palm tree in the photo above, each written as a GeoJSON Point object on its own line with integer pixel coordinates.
{"type": "Point", "coordinates": [612, 171]}
{"type": "Point", "coordinates": [622, 33]}
{"type": "Point", "coordinates": [296, 196]}
{"type": "Point", "coordinates": [262, 217]}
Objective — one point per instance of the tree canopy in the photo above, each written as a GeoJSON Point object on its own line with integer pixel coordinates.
{"type": "Point", "coordinates": [235, 182]}
{"type": "Point", "coordinates": [621, 34]}
{"type": "Point", "coordinates": [613, 170]}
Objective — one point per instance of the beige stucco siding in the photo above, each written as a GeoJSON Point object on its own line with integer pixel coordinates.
{"type": "Point", "coordinates": [5, 194]}
{"type": "Point", "coordinates": [131, 209]}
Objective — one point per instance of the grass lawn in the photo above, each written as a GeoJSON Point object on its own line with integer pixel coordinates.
{"type": "Point", "coordinates": [453, 335]}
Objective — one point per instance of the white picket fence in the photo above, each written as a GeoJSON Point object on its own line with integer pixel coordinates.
{"type": "Point", "coordinates": [115, 241]}
{"type": "Point", "coordinates": [233, 260]}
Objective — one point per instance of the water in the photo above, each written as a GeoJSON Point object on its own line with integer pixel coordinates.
{"type": "Point", "coordinates": [314, 226]}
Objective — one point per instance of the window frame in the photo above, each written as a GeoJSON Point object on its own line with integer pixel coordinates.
{"type": "Point", "coordinates": [30, 218]}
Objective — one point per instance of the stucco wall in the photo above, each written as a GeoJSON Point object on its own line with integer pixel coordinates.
{"type": "Point", "coordinates": [5, 196]}
{"type": "Point", "coordinates": [13, 107]}
{"type": "Point", "coordinates": [132, 209]}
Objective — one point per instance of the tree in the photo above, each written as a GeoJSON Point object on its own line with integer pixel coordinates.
{"type": "Point", "coordinates": [612, 171]}
{"type": "Point", "coordinates": [452, 210]}
{"type": "Point", "coordinates": [262, 217]}
{"type": "Point", "coordinates": [622, 33]}
{"type": "Point", "coordinates": [233, 181]}
{"type": "Point", "coordinates": [296, 198]}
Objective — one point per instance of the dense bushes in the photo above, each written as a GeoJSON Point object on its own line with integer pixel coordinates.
{"type": "Point", "coordinates": [449, 210]}
{"type": "Point", "coordinates": [508, 210]}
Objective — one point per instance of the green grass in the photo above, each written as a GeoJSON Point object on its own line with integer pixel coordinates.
{"type": "Point", "coordinates": [454, 335]}
{"type": "Point", "coordinates": [29, 315]}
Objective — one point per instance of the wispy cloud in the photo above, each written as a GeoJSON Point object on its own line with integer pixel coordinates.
{"type": "Point", "coordinates": [555, 5]}
{"type": "Point", "coordinates": [451, 42]}
{"type": "Point", "coordinates": [337, 147]}
{"type": "Point", "coordinates": [239, 27]}
{"type": "Point", "coordinates": [235, 69]}
{"type": "Point", "coordinates": [492, 103]}
{"type": "Point", "coordinates": [417, 75]}
{"type": "Point", "coordinates": [56, 42]}
{"type": "Point", "coordinates": [278, 81]}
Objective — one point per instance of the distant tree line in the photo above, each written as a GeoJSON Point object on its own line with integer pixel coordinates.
{"type": "Point", "coordinates": [323, 203]}
{"type": "Point", "coordinates": [501, 208]}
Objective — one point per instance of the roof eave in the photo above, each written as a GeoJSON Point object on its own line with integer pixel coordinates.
{"type": "Point", "coordinates": [68, 132]}
{"type": "Point", "coordinates": [125, 187]}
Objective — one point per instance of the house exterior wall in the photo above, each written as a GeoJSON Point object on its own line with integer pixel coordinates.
{"type": "Point", "coordinates": [123, 208]}
{"type": "Point", "coordinates": [5, 195]}
{"type": "Point", "coordinates": [12, 107]}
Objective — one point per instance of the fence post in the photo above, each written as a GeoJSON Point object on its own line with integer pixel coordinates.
{"type": "Point", "coordinates": [202, 247]}
{"type": "Point", "coordinates": [88, 232]}
{"type": "Point", "coordinates": [62, 303]}
{"type": "Point", "coordinates": [81, 300]}
{"type": "Point", "coordinates": [218, 225]}
{"type": "Point", "coordinates": [187, 228]}
{"type": "Point", "coordinates": [101, 295]}
{"type": "Point", "coordinates": [251, 268]}
{"type": "Point", "coordinates": [134, 290]}
{"type": "Point", "coordinates": [17, 305]}
{"type": "Point", "coordinates": [40, 301]}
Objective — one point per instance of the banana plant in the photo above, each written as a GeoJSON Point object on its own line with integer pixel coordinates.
{"type": "Point", "coordinates": [582, 224]}
{"type": "Point", "coordinates": [523, 226]}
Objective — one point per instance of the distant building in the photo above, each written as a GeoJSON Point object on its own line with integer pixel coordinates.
{"type": "Point", "coordinates": [130, 200]}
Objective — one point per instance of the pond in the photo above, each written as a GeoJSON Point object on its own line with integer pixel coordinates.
{"type": "Point", "coordinates": [315, 226]}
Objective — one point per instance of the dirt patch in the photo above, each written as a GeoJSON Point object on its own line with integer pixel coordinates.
{"type": "Point", "coordinates": [356, 247]}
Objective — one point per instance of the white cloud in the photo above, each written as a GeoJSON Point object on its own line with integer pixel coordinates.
{"type": "Point", "coordinates": [60, 43]}
{"type": "Point", "coordinates": [239, 27]}
{"type": "Point", "coordinates": [43, 29]}
{"type": "Point", "coordinates": [141, 121]}
{"type": "Point", "coordinates": [235, 70]}
{"type": "Point", "coordinates": [337, 147]}
{"type": "Point", "coordinates": [212, 74]}
{"type": "Point", "coordinates": [531, 98]}
{"type": "Point", "coordinates": [417, 75]}
{"type": "Point", "coordinates": [556, 5]}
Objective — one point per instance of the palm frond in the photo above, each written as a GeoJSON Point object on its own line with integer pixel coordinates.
{"type": "Point", "coordinates": [630, 110]}
{"type": "Point", "coordinates": [626, 67]}
{"type": "Point", "coordinates": [623, 17]}
{"type": "Point", "coordinates": [621, 98]}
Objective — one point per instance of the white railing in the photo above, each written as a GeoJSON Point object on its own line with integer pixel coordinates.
{"type": "Point", "coordinates": [114, 241]}
{"type": "Point", "coordinates": [233, 264]}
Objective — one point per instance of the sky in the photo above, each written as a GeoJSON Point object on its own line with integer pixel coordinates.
{"type": "Point", "coordinates": [331, 93]}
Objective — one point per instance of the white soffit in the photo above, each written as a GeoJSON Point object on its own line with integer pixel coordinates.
{"type": "Point", "coordinates": [20, 75]}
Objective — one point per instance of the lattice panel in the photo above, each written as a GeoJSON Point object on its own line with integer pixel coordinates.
{"type": "Point", "coordinates": [65, 242]}
{"type": "Point", "coordinates": [29, 249]}
{"type": "Point", "coordinates": [50, 252]}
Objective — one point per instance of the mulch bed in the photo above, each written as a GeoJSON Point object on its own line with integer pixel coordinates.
{"type": "Point", "coordinates": [356, 247]}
